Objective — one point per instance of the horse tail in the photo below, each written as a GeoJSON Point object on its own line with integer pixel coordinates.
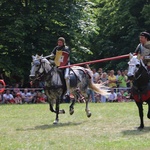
{"type": "Point", "coordinates": [99, 88]}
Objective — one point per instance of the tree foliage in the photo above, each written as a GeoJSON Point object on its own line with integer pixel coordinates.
{"type": "Point", "coordinates": [92, 28]}
{"type": "Point", "coordinates": [31, 27]}
{"type": "Point", "coordinates": [120, 23]}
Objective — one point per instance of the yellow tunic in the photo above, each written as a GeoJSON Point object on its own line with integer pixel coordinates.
{"type": "Point", "coordinates": [112, 81]}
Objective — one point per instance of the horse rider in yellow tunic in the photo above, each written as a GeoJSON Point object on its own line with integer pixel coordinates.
{"type": "Point", "coordinates": [60, 54]}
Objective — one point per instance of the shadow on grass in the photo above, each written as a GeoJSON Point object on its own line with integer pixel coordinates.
{"type": "Point", "coordinates": [46, 126]}
{"type": "Point", "coordinates": [136, 131]}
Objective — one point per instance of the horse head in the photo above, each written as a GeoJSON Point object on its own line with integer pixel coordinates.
{"type": "Point", "coordinates": [135, 68]}
{"type": "Point", "coordinates": [39, 66]}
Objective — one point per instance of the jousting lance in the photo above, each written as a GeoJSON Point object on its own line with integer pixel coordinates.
{"type": "Point", "coordinates": [97, 61]}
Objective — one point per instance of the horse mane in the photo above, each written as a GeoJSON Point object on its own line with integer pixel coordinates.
{"type": "Point", "coordinates": [46, 61]}
{"type": "Point", "coordinates": [47, 64]}
{"type": "Point", "coordinates": [55, 79]}
{"type": "Point", "coordinates": [142, 63]}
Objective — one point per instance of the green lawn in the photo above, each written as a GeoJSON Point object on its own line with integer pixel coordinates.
{"type": "Point", "coordinates": [112, 126]}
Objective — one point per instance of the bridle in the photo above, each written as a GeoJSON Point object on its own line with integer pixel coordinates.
{"type": "Point", "coordinates": [136, 78]}
{"type": "Point", "coordinates": [140, 66]}
{"type": "Point", "coordinates": [39, 75]}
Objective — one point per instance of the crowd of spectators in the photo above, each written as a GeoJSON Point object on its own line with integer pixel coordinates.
{"type": "Point", "coordinates": [16, 95]}
{"type": "Point", "coordinates": [117, 82]}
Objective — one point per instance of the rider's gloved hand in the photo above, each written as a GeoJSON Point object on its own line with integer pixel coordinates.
{"type": "Point", "coordinates": [51, 56]}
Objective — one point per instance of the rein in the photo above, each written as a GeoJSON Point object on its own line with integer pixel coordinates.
{"type": "Point", "coordinates": [40, 75]}
{"type": "Point", "coordinates": [139, 75]}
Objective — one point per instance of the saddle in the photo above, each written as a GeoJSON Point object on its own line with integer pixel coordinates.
{"type": "Point", "coordinates": [86, 71]}
{"type": "Point", "coordinates": [75, 75]}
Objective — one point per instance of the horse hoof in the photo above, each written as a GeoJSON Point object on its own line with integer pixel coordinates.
{"type": "Point", "coordinates": [140, 127]}
{"type": "Point", "coordinates": [148, 116]}
{"type": "Point", "coordinates": [62, 111]}
{"type": "Point", "coordinates": [71, 112]}
{"type": "Point", "coordinates": [55, 122]}
{"type": "Point", "coordinates": [89, 115]}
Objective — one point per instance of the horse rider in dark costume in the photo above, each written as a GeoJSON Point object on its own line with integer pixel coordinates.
{"type": "Point", "coordinates": [143, 49]}
{"type": "Point", "coordinates": [60, 54]}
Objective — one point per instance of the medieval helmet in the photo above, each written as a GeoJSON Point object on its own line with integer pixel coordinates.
{"type": "Point", "coordinates": [145, 34]}
{"type": "Point", "coordinates": [62, 39]}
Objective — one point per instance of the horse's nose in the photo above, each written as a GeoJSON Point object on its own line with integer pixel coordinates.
{"type": "Point", "coordinates": [31, 77]}
{"type": "Point", "coordinates": [129, 74]}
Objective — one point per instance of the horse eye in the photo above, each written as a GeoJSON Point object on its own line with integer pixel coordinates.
{"type": "Point", "coordinates": [137, 65]}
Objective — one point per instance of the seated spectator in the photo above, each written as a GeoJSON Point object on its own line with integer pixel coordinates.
{"type": "Point", "coordinates": [34, 94]}
{"type": "Point", "coordinates": [1, 95]}
{"type": "Point", "coordinates": [1, 87]}
{"type": "Point", "coordinates": [112, 97]}
{"type": "Point", "coordinates": [125, 95]}
{"type": "Point", "coordinates": [8, 97]}
{"type": "Point", "coordinates": [120, 96]}
{"type": "Point", "coordinates": [26, 96]}
{"type": "Point", "coordinates": [16, 89]}
{"type": "Point", "coordinates": [44, 96]}
{"type": "Point", "coordinates": [1, 98]}
{"type": "Point", "coordinates": [18, 98]}
{"type": "Point", "coordinates": [41, 98]}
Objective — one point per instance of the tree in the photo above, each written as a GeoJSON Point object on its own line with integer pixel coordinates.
{"type": "Point", "coordinates": [31, 27]}
{"type": "Point", "coordinates": [120, 23]}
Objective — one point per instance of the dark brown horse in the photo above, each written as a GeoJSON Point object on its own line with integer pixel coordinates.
{"type": "Point", "coordinates": [140, 90]}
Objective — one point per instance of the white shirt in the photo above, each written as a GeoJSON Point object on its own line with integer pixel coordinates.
{"type": "Point", "coordinates": [26, 96]}
{"type": "Point", "coordinates": [112, 96]}
{"type": "Point", "coordinates": [8, 96]}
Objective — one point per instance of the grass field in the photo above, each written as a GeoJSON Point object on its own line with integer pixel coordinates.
{"type": "Point", "coordinates": [112, 126]}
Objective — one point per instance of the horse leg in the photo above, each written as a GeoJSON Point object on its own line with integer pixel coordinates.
{"type": "Point", "coordinates": [148, 114]}
{"type": "Point", "coordinates": [87, 110]}
{"type": "Point", "coordinates": [57, 112]}
{"type": "Point", "coordinates": [51, 108]}
{"type": "Point", "coordinates": [140, 108]}
{"type": "Point", "coordinates": [62, 111]}
{"type": "Point", "coordinates": [71, 107]}
{"type": "Point", "coordinates": [50, 101]}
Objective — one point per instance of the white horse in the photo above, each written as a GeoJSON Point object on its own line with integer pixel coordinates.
{"type": "Point", "coordinates": [55, 86]}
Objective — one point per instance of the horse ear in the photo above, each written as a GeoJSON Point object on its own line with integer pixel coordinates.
{"type": "Point", "coordinates": [138, 56]}
{"type": "Point", "coordinates": [33, 57]}
{"type": "Point", "coordinates": [130, 55]}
